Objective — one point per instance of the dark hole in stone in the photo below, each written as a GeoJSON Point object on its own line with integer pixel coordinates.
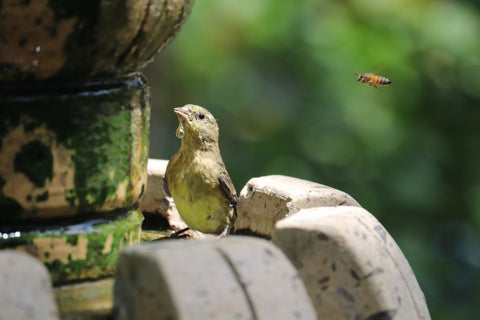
{"type": "Point", "coordinates": [22, 42]}
{"type": "Point", "coordinates": [383, 315]}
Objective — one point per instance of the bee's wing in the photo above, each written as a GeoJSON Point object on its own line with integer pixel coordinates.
{"type": "Point", "coordinates": [378, 69]}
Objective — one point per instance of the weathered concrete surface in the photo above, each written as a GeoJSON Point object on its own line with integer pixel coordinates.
{"type": "Point", "coordinates": [87, 300]}
{"type": "Point", "coordinates": [26, 289]}
{"type": "Point", "coordinates": [92, 159]}
{"type": "Point", "coordinates": [265, 200]}
{"type": "Point", "coordinates": [79, 252]}
{"type": "Point", "coordinates": [97, 40]}
{"type": "Point", "coordinates": [351, 266]}
{"type": "Point", "coordinates": [231, 278]}
{"type": "Point", "coordinates": [156, 200]}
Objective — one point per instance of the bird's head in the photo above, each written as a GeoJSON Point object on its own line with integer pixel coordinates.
{"type": "Point", "coordinates": [197, 123]}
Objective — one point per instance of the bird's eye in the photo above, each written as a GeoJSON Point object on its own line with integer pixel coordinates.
{"type": "Point", "coordinates": [201, 116]}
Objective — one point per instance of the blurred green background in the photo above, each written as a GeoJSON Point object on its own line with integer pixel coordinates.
{"type": "Point", "coordinates": [278, 76]}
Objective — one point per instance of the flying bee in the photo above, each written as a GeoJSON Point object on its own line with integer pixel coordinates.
{"type": "Point", "coordinates": [373, 80]}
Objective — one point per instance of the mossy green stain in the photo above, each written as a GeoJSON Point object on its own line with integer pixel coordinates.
{"type": "Point", "coordinates": [103, 156]}
{"type": "Point", "coordinates": [72, 239]}
{"type": "Point", "coordinates": [145, 133]}
{"type": "Point", "coordinates": [25, 238]}
{"type": "Point", "coordinates": [104, 160]}
{"type": "Point", "coordinates": [42, 197]}
{"type": "Point", "coordinates": [96, 125]}
{"type": "Point", "coordinates": [35, 161]}
{"type": "Point", "coordinates": [70, 197]}
{"type": "Point", "coordinates": [97, 263]}
{"type": "Point", "coordinates": [120, 230]}
{"type": "Point", "coordinates": [56, 265]}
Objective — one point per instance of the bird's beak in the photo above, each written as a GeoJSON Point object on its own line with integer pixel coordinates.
{"type": "Point", "coordinates": [183, 114]}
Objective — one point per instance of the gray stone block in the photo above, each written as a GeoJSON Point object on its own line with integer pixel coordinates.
{"type": "Point", "coordinates": [265, 200]}
{"type": "Point", "coordinates": [155, 199]}
{"type": "Point", "coordinates": [351, 266]}
{"type": "Point", "coordinates": [26, 288]}
{"type": "Point", "coordinates": [230, 278]}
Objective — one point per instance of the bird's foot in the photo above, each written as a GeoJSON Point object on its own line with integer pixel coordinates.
{"type": "Point", "coordinates": [180, 234]}
{"type": "Point", "coordinates": [225, 232]}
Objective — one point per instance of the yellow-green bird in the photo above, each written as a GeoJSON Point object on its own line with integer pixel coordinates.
{"type": "Point", "coordinates": [196, 176]}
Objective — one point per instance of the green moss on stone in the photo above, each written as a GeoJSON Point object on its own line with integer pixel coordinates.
{"type": "Point", "coordinates": [72, 239]}
{"type": "Point", "coordinates": [99, 126]}
{"type": "Point", "coordinates": [105, 239]}
{"type": "Point", "coordinates": [102, 157]}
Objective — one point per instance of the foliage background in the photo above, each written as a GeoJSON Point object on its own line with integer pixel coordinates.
{"type": "Point", "coordinates": [278, 76]}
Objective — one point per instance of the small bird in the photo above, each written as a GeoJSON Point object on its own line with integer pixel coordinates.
{"type": "Point", "coordinates": [196, 176]}
{"type": "Point", "coordinates": [373, 80]}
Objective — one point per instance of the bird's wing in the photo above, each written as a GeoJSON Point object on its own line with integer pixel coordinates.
{"type": "Point", "coordinates": [227, 187]}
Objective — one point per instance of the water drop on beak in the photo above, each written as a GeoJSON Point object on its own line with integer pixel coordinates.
{"type": "Point", "coordinates": [180, 133]}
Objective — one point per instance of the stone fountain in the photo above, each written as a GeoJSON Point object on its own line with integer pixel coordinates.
{"type": "Point", "coordinates": [74, 127]}
{"type": "Point", "coordinates": [74, 134]}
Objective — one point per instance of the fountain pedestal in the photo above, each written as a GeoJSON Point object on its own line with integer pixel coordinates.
{"type": "Point", "coordinates": [74, 127]}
